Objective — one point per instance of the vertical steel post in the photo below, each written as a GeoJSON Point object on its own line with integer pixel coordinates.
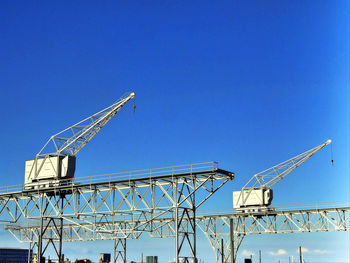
{"type": "Point", "coordinates": [119, 250]}
{"type": "Point", "coordinates": [222, 251]}
{"type": "Point", "coordinates": [125, 250]}
{"type": "Point", "coordinates": [114, 252]}
{"type": "Point", "coordinates": [40, 243]}
{"type": "Point", "coordinates": [60, 259]}
{"type": "Point", "coordinates": [300, 255]}
{"type": "Point", "coordinates": [194, 210]}
{"type": "Point", "coordinates": [176, 231]}
{"type": "Point", "coordinates": [185, 220]}
{"type": "Point", "coordinates": [232, 244]}
{"type": "Point", "coordinates": [259, 256]}
{"type": "Point", "coordinates": [29, 249]}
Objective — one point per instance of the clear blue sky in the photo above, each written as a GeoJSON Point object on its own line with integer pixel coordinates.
{"type": "Point", "coordinates": [246, 83]}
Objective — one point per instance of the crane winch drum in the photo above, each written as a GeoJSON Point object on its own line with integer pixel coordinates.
{"type": "Point", "coordinates": [58, 167]}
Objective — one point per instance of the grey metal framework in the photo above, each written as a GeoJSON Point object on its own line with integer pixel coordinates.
{"type": "Point", "coordinates": [265, 180]}
{"type": "Point", "coordinates": [232, 228]}
{"type": "Point", "coordinates": [72, 139]}
{"type": "Point", "coordinates": [69, 142]}
{"type": "Point", "coordinates": [143, 195]}
{"type": "Point", "coordinates": [269, 177]}
{"type": "Point", "coordinates": [225, 232]}
{"type": "Point", "coordinates": [119, 250]}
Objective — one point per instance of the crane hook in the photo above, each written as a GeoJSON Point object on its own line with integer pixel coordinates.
{"type": "Point", "coordinates": [134, 107]}
{"type": "Point", "coordinates": [332, 160]}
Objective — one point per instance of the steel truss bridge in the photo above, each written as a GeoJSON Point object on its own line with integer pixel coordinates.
{"type": "Point", "coordinates": [224, 232]}
{"type": "Point", "coordinates": [161, 202]}
{"type": "Point", "coordinates": [138, 196]}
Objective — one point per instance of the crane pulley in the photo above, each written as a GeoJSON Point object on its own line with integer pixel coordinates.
{"type": "Point", "coordinates": [56, 160]}
{"type": "Point", "coordinates": [257, 192]}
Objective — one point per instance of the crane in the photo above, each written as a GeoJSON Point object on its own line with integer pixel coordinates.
{"type": "Point", "coordinates": [55, 162]}
{"type": "Point", "coordinates": [256, 195]}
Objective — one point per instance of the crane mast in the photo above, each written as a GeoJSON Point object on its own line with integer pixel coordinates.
{"type": "Point", "coordinates": [257, 194]}
{"type": "Point", "coordinates": [56, 160]}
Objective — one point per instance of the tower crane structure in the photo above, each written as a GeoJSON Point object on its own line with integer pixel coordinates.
{"type": "Point", "coordinates": [53, 197]}
{"type": "Point", "coordinates": [55, 162]}
{"type": "Point", "coordinates": [256, 195]}
{"type": "Point", "coordinates": [53, 207]}
{"type": "Point", "coordinates": [150, 194]}
{"type": "Point", "coordinates": [134, 215]}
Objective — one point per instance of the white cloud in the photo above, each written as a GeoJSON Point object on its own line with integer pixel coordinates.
{"type": "Point", "coordinates": [321, 251]}
{"type": "Point", "coordinates": [277, 253]}
{"type": "Point", "coordinates": [305, 250]}
{"type": "Point", "coordinates": [247, 253]}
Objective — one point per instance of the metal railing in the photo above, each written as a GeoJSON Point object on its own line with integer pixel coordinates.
{"type": "Point", "coordinates": [106, 178]}
{"type": "Point", "coordinates": [282, 208]}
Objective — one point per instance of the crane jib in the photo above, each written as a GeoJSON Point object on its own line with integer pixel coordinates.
{"type": "Point", "coordinates": [51, 167]}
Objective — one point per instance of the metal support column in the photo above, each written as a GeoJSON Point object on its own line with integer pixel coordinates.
{"type": "Point", "coordinates": [222, 251]}
{"type": "Point", "coordinates": [119, 250]}
{"type": "Point", "coordinates": [185, 225]}
{"type": "Point", "coordinates": [31, 250]}
{"type": "Point", "coordinates": [51, 233]}
{"type": "Point", "coordinates": [232, 244]}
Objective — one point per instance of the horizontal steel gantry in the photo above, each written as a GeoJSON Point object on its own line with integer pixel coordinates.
{"type": "Point", "coordinates": [168, 192]}
{"type": "Point", "coordinates": [127, 194]}
{"type": "Point", "coordinates": [224, 232]}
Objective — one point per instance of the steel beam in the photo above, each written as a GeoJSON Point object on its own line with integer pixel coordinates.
{"type": "Point", "coordinates": [119, 250]}
{"type": "Point", "coordinates": [215, 227]}
{"type": "Point", "coordinates": [122, 205]}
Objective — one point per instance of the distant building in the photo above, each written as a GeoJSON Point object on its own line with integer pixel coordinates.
{"type": "Point", "coordinates": [15, 255]}
{"type": "Point", "coordinates": [182, 260]}
{"type": "Point", "coordinates": [151, 259]}
{"type": "Point", "coordinates": [82, 260]}
{"type": "Point", "coordinates": [105, 258]}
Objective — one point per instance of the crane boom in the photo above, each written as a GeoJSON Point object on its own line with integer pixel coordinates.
{"type": "Point", "coordinates": [56, 160]}
{"type": "Point", "coordinates": [71, 140]}
{"type": "Point", "coordinates": [257, 191]}
{"type": "Point", "coordinates": [270, 177]}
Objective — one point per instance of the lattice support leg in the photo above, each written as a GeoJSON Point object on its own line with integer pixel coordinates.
{"type": "Point", "coordinates": [185, 224]}
{"type": "Point", "coordinates": [32, 245]}
{"type": "Point", "coordinates": [119, 250]}
{"type": "Point", "coordinates": [50, 235]}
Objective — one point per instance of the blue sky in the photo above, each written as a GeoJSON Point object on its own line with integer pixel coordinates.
{"type": "Point", "coordinates": [245, 83]}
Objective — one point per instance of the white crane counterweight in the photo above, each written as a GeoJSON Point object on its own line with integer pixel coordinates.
{"type": "Point", "coordinates": [48, 169]}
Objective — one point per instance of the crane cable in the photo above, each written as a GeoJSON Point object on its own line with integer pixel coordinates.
{"type": "Point", "coordinates": [134, 107]}
{"type": "Point", "coordinates": [332, 160]}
